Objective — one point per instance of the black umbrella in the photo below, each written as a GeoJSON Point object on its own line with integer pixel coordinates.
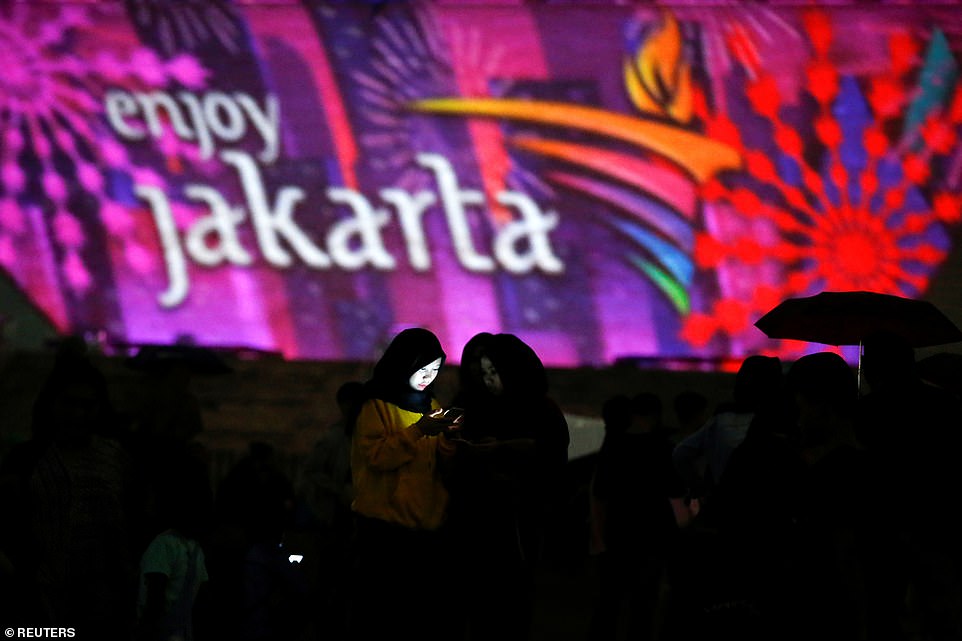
{"type": "Point", "coordinates": [847, 318]}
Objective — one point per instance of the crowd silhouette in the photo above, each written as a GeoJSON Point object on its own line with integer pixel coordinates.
{"type": "Point", "coordinates": [813, 505]}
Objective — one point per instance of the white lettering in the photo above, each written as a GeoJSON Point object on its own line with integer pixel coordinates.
{"type": "Point", "coordinates": [225, 118]}
{"type": "Point", "coordinates": [453, 200]}
{"type": "Point", "coordinates": [204, 142]}
{"type": "Point", "coordinates": [267, 123]}
{"type": "Point", "coordinates": [271, 221]}
{"type": "Point", "coordinates": [365, 226]}
{"type": "Point", "coordinates": [533, 227]}
{"type": "Point", "coordinates": [151, 104]}
{"type": "Point", "coordinates": [173, 256]}
{"type": "Point", "coordinates": [213, 240]}
{"type": "Point", "coordinates": [209, 119]}
{"type": "Point", "coordinates": [410, 208]}
{"type": "Point", "coordinates": [118, 105]}
{"type": "Point", "coordinates": [354, 242]}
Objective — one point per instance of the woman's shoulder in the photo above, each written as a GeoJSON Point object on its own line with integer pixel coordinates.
{"type": "Point", "coordinates": [387, 410]}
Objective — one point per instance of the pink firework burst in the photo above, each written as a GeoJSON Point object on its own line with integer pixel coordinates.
{"type": "Point", "coordinates": [180, 25]}
{"type": "Point", "coordinates": [408, 62]}
{"type": "Point", "coordinates": [55, 146]}
{"type": "Point", "coordinates": [411, 59]}
{"type": "Point", "coordinates": [739, 35]}
{"type": "Point", "coordinates": [851, 199]}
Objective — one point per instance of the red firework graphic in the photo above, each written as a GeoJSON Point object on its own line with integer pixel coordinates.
{"type": "Point", "coordinates": [829, 210]}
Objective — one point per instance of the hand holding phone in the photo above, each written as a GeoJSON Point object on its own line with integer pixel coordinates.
{"type": "Point", "coordinates": [454, 414]}
{"type": "Point", "coordinates": [434, 423]}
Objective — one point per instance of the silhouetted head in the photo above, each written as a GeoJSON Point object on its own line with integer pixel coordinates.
{"type": "Point", "coordinates": [825, 378]}
{"type": "Point", "coordinates": [647, 411]}
{"type": "Point", "coordinates": [616, 413]}
{"type": "Point", "coordinates": [471, 386]}
{"type": "Point", "coordinates": [348, 396]}
{"type": "Point", "coordinates": [518, 367]}
{"type": "Point", "coordinates": [825, 392]}
{"type": "Point", "coordinates": [348, 393]}
{"type": "Point", "coordinates": [73, 404]}
{"type": "Point", "coordinates": [758, 381]}
{"type": "Point", "coordinates": [888, 361]}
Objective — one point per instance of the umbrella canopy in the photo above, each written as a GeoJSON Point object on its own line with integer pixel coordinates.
{"type": "Point", "coordinates": [848, 317]}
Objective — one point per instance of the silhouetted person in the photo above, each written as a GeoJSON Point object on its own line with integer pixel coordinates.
{"type": "Point", "coordinates": [911, 434]}
{"type": "Point", "coordinates": [616, 416]}
{"type": "Point", "coordinates": [325, 481]}
{"type": "Point", "coordinates": [326, 490]}
{"type": "Point", "coordinates": [943, 369]}
{"type": "Point", "coordinates": [739, 546]}
{"type": "Point", "coordinates": [692, 410]}
{"type": "Point", "coordinates": [164, 428]}
{"type": "Point", "coordinates": [472, 389]}
{"type": "Point", "coordinates": [701, 457]}
{"type": "Point", "coordinates": [73, 541]}
{"type": "Point", "coordinates": [255, 501]}
{"type": "Point", "coordinates": [257, 495]}
{"type": "Point", "coordinates": [634, 485]}
{"type": "Point", "coordinates": [173, 569]}
{"type": "Point", "coordinates": [506, 485]}
{"type": "Point", "coordinates": [826, 599]}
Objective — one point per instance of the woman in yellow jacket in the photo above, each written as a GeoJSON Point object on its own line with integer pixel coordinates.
{"type": "Point", "coordinates": [398, 452]}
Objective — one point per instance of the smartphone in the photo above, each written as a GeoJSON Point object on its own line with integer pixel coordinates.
{"type": "Point", "coordinates": [454, 414]}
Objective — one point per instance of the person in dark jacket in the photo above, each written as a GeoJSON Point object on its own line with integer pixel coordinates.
{"type": "Point", "coordinates": [507, 483]}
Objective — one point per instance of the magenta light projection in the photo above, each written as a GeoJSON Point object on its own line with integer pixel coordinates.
{"type": "Point", "coordinates": [604, 181]}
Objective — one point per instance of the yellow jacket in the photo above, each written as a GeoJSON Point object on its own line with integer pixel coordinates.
{"type": "Point", "coordinates": [395, 469]}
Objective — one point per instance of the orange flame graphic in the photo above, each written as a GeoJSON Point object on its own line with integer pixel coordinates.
{"type": "Point", "coordinates": [658, 79]}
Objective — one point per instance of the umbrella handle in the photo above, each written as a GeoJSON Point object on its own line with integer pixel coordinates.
{"type": "Point", "coordinates": [858, 389]}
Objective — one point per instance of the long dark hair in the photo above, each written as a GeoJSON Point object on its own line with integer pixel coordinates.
{"type": "Point", "coordinates": [409, 351]}
{"type": "Point", "coordinates": [520, 368]}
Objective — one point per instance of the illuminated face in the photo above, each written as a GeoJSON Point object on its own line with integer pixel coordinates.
{"type": "Point", "coordinates": [425, 376]}
{"type": "Point", "coordinates": [490, 376]}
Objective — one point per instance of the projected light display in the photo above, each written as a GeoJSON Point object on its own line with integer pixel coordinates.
{"type": "Point", "coordinates": [604, 181]}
